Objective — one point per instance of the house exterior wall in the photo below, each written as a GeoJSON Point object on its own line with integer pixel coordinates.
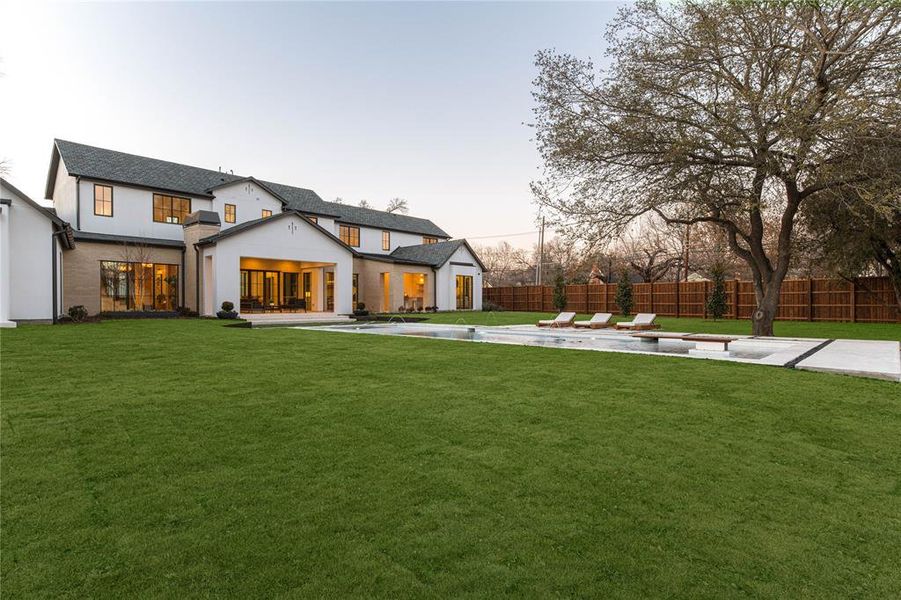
{"type": "Point", "coordinates": [64, 195]}
{"type": "Point", "coordinates": [370, 291]}
{"type": "Point", "coordinates": [81, 270]}
{"type": "Point", "coordinates": [371, 240]}
{"type": "Point", "coordinates": [447, 280]}
{"type": "Point", "coordinates": [132, 212]}
{"type": "Point", "coordinates": [27, 260]}
{"type": "Point", "coordinates": [288, 238]}
{"type": "Point", "coordinates": [249, 199]}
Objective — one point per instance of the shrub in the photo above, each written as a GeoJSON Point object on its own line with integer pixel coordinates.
{"type": "Point", "coordinates": [559, 293]}
{"type": "Point", "coordinates": [716, 302]}
{"type": "Point", "coordinates": [361, 306]}
{"type": "Point", "coordinates": [228, 311]}
{"type": "Point", "coordinates": [491, 306]}
{"type": "Point", "coordinates": [184, 311]}
{"type": "Point", "coordinates": [228, 306]}
{"type": "Point", "coordinates": [78, 313]}
{"type": "Point", "coordinates": [624, 292]}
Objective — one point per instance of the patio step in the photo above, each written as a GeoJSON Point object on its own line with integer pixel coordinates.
{"type": "Point", "coordinates": [289, 319]}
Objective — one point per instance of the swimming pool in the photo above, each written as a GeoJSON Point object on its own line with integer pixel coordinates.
{"type": "Point", "coordinates": [772, 351]}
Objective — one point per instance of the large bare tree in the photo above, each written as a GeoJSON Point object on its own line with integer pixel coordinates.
{"type": "Point", "coordinates": [729, 113]}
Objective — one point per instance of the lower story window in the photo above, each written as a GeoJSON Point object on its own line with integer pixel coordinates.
{"type": "Point", "coordinates": [464, 291]}
{"type": "Point", "coordinates": [134, 286]}
{"type": "Point", "coordinates": [356, 290]}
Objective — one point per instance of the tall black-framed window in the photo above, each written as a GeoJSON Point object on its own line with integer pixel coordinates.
{"type": "Point", "coordinates": [103, 200]}
{"type": "Point", "coordinates": [170, 209]}
{"type": "Point", "coordinates": [464, 291]}
{"type": "Point", "coordinates": [138, 286]}
{"type": "Point", "coordinates": [356, 290]}
{"type": "Point", "coordinates": [231, 213]}
{"type": "Point", "coordinates": [350, 235]}
{"type": "Point", "coordinates": [266, 213]}
{"type": "Point", "coordinates": [386, 240]}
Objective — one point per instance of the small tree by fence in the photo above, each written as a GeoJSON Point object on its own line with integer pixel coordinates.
{"type": "Point", "coordinates": [717, 305]}
{"type": "Point", "coordinates": [624, 293]}
{"type": "Point", "coordinates": [560, 293]}
{"type": "Point", "coordinates": [865, 299]}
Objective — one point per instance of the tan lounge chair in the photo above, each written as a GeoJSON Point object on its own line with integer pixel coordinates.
{"type": "Point", "coordinates": [598, 321]}
{"type": "Point", "coordinates": [640, 322]}
{"type": "Point", "coordinates": [564, 319]}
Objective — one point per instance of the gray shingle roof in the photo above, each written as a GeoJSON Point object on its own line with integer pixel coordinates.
{"type": "Point", "coordinates": [432, 254]}
{"type": "Point", "coordinates": [99, 163]}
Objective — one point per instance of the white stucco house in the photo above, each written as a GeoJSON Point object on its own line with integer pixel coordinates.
{"type": "Point", "coordinates": [137, 234]}
{"type": "Point", "coordinates": [32, 240]}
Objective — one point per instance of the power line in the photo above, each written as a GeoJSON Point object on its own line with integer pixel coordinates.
{"type": "Point", "coordinates": [501, 235]}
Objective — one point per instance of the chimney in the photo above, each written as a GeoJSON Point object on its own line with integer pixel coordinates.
{"type": "Point", "coordinates": [198, 225]}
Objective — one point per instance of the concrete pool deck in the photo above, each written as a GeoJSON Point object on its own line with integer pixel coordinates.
{"type": "Point", "coordinates": [861, 358]}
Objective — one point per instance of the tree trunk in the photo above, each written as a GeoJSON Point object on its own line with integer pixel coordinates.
{"type": "Point", "coordinates": [765, 313]}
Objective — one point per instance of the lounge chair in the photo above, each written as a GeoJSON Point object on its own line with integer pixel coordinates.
{"type": "Point", "coordinates": [640, 322]}
{"type": "Point", "coordinates": [598, 321]}
{"type": "Point", "coordinates": [564, 319]}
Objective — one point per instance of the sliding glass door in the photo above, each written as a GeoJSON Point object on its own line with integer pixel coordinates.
{"type": "Point", "coordinates": [464, 291]}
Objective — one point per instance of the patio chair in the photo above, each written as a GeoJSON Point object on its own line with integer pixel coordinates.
{"type": "Point", "coordinates": [564, 319]}
{"type": "Point", "coordinates": [598, 321]}
{"type": "Point", "coordinates": [641, 322]}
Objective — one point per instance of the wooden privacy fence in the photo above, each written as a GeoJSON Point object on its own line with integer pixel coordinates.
{"type": "Point", "coordinates": [867, 299]}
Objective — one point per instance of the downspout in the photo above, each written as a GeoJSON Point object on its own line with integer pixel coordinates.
{"type": "Point", "coordinates": [78, 202]}
{"type": "Point", "coordinates": [434, 288]}
{"type": "Point", "coordinates": [53, 275]}
{"type": "Point", "coordinates": [197, 278]}
{"type": "Point", "coordinates": [183, 250]}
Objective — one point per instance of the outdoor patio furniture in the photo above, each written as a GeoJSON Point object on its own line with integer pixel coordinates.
{"type": "Point", "coordinates": [640, 322]}
{"type": "Point", "coordinates": [598, 321]}
{"type": "Point", "coordinates": [564, 319]}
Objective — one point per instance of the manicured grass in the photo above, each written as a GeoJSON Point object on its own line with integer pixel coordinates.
{"type": "Point", "coordinates": [819, 329]}
{"type": "Point", "coordinates": [184, 458]}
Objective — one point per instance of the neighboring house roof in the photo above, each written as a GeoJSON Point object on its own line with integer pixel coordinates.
{"type": "Point", "coordinates": [110, 238]}
{"type": "Point", "coordinates": [242, 227]}
{"type": "Point", "coordinates": [109, 165]}
{"type": "Point", "coordinates": [433, 254]}
{"type": "Point", "coordinates": [59, 224]}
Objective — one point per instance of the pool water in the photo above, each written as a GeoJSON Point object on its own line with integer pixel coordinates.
{"type": "Point", "coordinates": [602, 340]}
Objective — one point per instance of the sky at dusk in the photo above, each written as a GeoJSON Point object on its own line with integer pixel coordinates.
{"type": "Point", "coordinates": [426, 101]}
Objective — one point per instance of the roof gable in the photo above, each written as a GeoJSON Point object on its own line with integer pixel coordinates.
{"type": "Point", "coordinates": [249, 225]}
{"type": "Point", "coordinates": [435, 255]}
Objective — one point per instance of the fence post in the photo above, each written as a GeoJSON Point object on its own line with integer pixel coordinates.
{"type": "Point", "coordinates": [677, 296]}
{"type": "Point", "coordinates": [704, 300]}
{"type": "Point", "coordinates": [810, 298]}
{"type": "Point", "coordinates": [735, 298]}
{"type": "Point", "coordinates": [652, 297]}
{"type": "Point", "coordinates": [854, 300]}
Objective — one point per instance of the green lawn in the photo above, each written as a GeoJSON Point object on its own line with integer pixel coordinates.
{"type": "Point", "coordinates": [872, 331]}
{"type": "Point", "coordinates": [181, 458]}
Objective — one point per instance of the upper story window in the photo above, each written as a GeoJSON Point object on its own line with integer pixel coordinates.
{"type": "Point", "coordinates": [349, 235]}
{"type": "Point", "coordinates": [427, 239]}
{"type": "Point", "coordinates": [231, 213]}
{"type": "Point", "coordinates": [312, 218]}
{"type": "Point", "coordinates": [103, 200]}
{"type": "Point", "coordinates": [170, 209]}
{"type": "Point", "coordinates": [386, 240]}
{"type": "Point", "coordinates": [267, 213]}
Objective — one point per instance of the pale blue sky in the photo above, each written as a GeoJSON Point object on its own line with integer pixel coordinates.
{"type": "Point", "coordinates": [426, 101]}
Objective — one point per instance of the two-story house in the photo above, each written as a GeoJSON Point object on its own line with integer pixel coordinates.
{"type": "Point", "coordinates": [152, 235]}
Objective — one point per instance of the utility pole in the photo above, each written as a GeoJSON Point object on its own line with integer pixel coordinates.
{"type": "Point", "coordinates": [540, 269]}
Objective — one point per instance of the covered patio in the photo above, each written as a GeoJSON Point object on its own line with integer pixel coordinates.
{"type": "Point", "coordinates": [286, 286]}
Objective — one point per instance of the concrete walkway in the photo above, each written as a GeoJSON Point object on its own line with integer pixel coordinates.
{"type": "Point", "coordinates": [864, 358]}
